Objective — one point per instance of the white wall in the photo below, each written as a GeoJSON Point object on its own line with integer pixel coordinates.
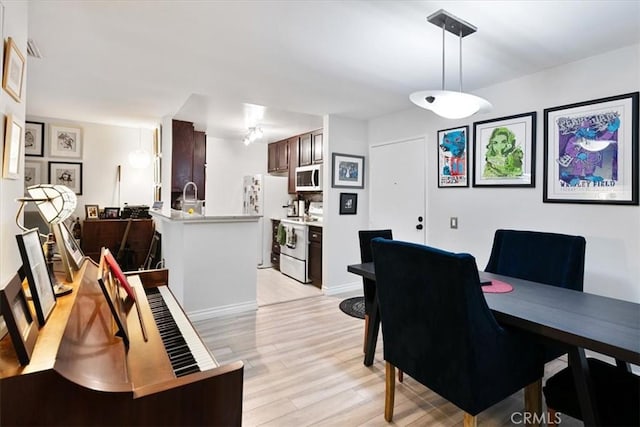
{"type": "Point", "coordinates": [227, 162]}
{"type": "Point", "coordinates": [104, 148]}
{"type": "Point", "coordinates": [612, 232]}
{"type": "Point", "coordinates": [340, 244]}
{"type": "Point", "coordinates": [15, 26]}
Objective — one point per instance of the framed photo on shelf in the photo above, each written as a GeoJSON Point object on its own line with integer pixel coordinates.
{"type": "Point", "coordinates": [348, 203]}
{"type": "Point", "coordinates": [453, 157]}
{"type": "Point", "coordinates": [71, 246]}
{"type": "Point", "coordinates": [12, 148]}
{"type": "Point", "coordinates": [92, 211]}
{"type": "Point", "coordinates": [65, 142]}
{"type": "Point", "coordinates": [19, 319]}
{"type": "Point", "coordinates": [38, 278]}
{"type": "Point", "coordinates": [347, 171]}
{"type": "Point", "coordinates": [34, 139]}
{"type": "Point", "coordinates": [504, 151]}
{"type": "Point", "coordinates": [13, 78]}
{"type": "Point", "coordinates": [68, 174]}
{"type": "Point", "coordinates": [111, 213]}
{"type": "Point", "coordinates": [591, 152]}
{"type": "Point", "coordinates": [32, 173]}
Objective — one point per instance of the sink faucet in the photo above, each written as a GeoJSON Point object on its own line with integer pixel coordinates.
{"type": "Point", "coordinates": [184, 191]}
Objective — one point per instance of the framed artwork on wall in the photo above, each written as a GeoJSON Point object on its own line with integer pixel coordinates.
{"type": "Point", "coordinates": [32, 173]}
{"type": "Point", "coordinates": [12, 147]}
{"type": "Point", "coordinates": [65, 142]}
{"type": "Point", "coordinates": [348, 203]}
{"type": "Point", "coordinates": [19, 319]}
{"type": "Point", "coordinates": [68, 174]}
{"type": "Point", "coordinates": [35, 268]}
{"type": "Point", "coordinates": [453, 155]}
{"type": "Point", "coordinates": [34, 139]}
{"type": "Point", "coordinates": [591, 151]}
{"type": "Point", "coordinates": [14, 62]}
{"type": "Point", "coordinates": [504, 151]}
{"type": "Point", "coordinates": [347, 171]}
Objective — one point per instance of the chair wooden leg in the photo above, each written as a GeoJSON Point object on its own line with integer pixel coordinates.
{"type": "Point", "coordinates": [390, 391]}
{"type": "Point", "coordinates": [366, 330]}
{"type": "Point", "coordinates": [400, 375]}
{"type": "Point", "coordinates": [551, 417]}
{"type": "Point", "coordinates": [470, 420]}
{"type": "Point", "coordinates": [533, 400]}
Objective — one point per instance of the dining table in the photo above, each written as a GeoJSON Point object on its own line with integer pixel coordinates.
{"type": "Point", "coordinates": [574, 319]}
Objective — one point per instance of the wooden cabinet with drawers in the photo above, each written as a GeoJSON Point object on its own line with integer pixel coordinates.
{"type": "Point", "coordinates": [315, 256]}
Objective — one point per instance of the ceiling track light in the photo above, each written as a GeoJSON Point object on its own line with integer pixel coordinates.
{"type": "Point", "coordinates": [254, 133]}
{"type": "Point", "coordinates": [446, 103]}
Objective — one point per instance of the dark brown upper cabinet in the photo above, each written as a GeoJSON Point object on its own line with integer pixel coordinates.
{"type": "Point", "coordinates": [188, 157]}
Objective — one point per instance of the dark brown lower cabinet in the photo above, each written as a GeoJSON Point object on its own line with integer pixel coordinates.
{"type": "Point", "coordinates": [315, 256]}
{"type": "Point", "coordinates": [275, 246]}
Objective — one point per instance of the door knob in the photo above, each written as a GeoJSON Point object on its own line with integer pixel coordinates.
{"type": "Point", "coordinates": [419, 227]}
{"type": "Point", "coordinates": [419, 219]}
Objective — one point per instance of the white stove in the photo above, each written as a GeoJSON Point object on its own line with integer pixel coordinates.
{"type": "Point", "coordinates": [294, 254]}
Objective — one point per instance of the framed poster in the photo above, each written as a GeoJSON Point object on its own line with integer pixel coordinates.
{"type": "Point", "coordinates": [32, 173]}
{"type": "Point", "coordinates": [65, 142]}
{"type": "Point", "coordinates": [12, 148]}
{"type": "Point", "coordinates": [347, 171]}
{"type": "Point", "coordinates": [68, 174]}
{"type": "Point", "coordinates": [34, 139]}
{"type": "Point", "coordinates": [20, 322]}
{"type": "Point", "coordinates": [453, 148]}
{"type": "Point", "coordinates": [591, 152]}
{"type": "Point", "coordinates": [35, 268]}
{"type": "Point", "coordinates": [504, 151]}
{"type": "Point", "coordinates": [13, 77]}
{"type": "Point", "coordinates": [348, 203]}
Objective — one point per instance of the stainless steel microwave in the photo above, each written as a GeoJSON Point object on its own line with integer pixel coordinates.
{"type": "Point", "coordinates": [309, 178]}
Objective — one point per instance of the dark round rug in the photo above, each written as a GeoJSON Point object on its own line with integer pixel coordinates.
{"type": "Point", "coordinates": [354, 307]}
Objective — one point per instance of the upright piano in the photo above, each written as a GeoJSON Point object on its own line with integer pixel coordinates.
{"type": "Point", "coordinates": [81, 373]}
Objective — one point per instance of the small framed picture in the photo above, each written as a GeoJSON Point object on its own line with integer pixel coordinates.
{"type": "Point", "coordinates": [19, 319]}
{"type": "Point", "coordinates": [65, 142]}
{"type": "Point", "coordinates": [347, 171]}
{"type": "Point", "coordinates": [92, 211]}
{"type": "Point", "coordinates": [14, 62]}
{"type": "Point", "coordinates": [34, 139]}
{"type": "Point", "coordinates": [12, 147]}
{"type": "Point", "coordinates": [348, 203]}
{"type": "Point", "coordinates": [453, 157]}
{"type": "Point", "coordinates": [111, 213]}
{"type": "Point", "coordinates": [35, 268]}
{"type": "Point", "coordinates": [71, 246]}
{"type": "Point", "coordinates": [68, 174]}
{"type": "Point", "coordinates": [32, 173]}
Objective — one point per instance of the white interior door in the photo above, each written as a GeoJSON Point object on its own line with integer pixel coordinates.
{"type": "Point", "coordinates": [397, 197]}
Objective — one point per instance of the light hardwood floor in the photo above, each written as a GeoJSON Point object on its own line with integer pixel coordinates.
{"type": "Point", "coordinates": [303, 366]}
{"type": "Point", "coordinates": [274, 287]}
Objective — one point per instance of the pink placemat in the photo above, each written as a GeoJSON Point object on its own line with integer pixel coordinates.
{"type": "Point", "coordinates": [497, 287]}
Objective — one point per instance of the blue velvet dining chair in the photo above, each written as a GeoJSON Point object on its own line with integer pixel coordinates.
{"type": "Point", "coordinates": [369, 286]}
{"type": "Point", "coordinates": [550, 258]}
{"type": "Point", "coordinates": [438, 328]}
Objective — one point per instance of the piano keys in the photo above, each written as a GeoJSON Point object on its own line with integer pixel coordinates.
{"type": "Point", "coordinates": [81, 374]}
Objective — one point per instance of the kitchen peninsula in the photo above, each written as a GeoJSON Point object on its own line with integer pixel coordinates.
{"type": "Point", "coordinates": [211, 261]}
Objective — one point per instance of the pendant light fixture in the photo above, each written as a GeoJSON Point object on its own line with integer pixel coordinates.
{"type": "Point", "coordinates": [446, 103]}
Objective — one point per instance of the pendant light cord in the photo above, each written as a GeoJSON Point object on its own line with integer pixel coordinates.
{"type": "Point", "coordinates": [443, 32]}
{"type": "Point", "coordinates": [460, 60]}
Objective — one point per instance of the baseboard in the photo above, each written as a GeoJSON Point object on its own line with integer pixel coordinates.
{"type": "Point", "coordinates": [224, 310]}
{"type": "Point", "coordinates": [340, 289]}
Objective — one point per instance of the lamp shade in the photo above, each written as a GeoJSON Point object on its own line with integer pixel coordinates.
{"type": "Point", "coordinates": [450, 104]}
{"type": "Point", "coordinates": [54, 202]}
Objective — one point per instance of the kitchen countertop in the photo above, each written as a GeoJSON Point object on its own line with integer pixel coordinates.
{"type": "Point", "coordinates": [175, 215]}
{"type": "Point", "coordinates": [299, 220]}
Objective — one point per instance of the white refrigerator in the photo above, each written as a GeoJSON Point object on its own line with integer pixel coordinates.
{"type": "Point", "coordinates": [265, 195]}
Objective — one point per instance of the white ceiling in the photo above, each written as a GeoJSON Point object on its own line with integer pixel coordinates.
{"type": "Point", "coordinates": [223, 64]}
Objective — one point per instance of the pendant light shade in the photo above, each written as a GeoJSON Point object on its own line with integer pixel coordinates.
{"type": "Point", "coordinates": [446, 103]}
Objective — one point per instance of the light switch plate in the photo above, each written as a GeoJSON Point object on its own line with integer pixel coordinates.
{"type": "Point", "coordinates": [453, 222]}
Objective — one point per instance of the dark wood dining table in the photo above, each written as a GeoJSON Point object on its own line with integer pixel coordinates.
{"type": "Point", "coordinates": [578, 320]}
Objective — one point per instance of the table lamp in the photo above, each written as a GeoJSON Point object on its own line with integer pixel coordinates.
{"type": "Point", "coordinates": [55, 203]}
